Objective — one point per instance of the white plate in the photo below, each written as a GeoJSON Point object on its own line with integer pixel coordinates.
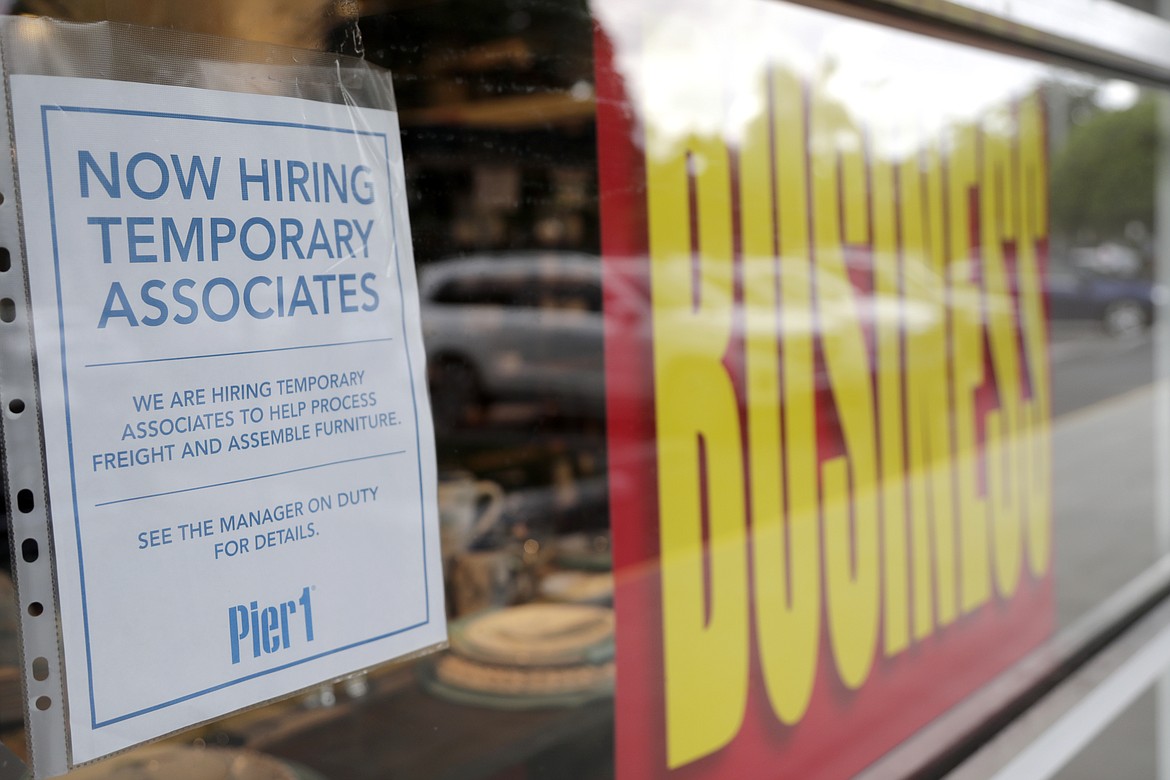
{"type": "Point", "coordinates": [538, 635]}
{"type": "Point", "coordinates": [578, 587]}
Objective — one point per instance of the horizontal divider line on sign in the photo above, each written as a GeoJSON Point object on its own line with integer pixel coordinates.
{"type": "Point", "coordinates": [250, 479]}
{"type": "Point", "coordinates": [233, 354]}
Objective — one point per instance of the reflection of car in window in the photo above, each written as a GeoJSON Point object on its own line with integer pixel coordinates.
{"type": "Point", "coordinates": [514, 327]}
{"type": "Point", "coordinates": [1123, 307]}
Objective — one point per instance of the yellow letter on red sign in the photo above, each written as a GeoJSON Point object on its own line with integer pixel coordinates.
{"type": "Point", "coordinates": [1033, 227]}
{"type": "Point", "coordinates": [888, 306]}
{"type": "Point", "coordinates": [850, 497]}
{"type": "Point", "coordinates": [967, 373]}
{"type": "Point", "coordinates": [1003, 426]}
{"type": "Point", "coordinates": [699, 443]}
{"type": "Point", "coordinates": [785, 543]}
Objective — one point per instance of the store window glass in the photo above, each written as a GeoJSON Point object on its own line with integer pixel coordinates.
{"type": "Point", "coordinates": [1152, 7]}
{"type": "Point", "coordinates": [793, 376]}
{"type": "Point", "coordinates": [1127, 748]}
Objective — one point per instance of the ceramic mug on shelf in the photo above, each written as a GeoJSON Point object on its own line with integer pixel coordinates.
{"type": "Point", "coordinates": [468, 509]}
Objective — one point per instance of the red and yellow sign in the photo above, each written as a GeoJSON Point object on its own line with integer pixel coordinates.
{"type": "Point", "coordinates": [829, 403]}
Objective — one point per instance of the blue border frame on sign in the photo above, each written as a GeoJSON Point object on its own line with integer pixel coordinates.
{"type": "Point", "coordinates": [45, 110]}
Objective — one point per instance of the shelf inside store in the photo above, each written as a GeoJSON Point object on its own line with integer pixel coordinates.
{"type": "Point", "coordinates": [506, 113]}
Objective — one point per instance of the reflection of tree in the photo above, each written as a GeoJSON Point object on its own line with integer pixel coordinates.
{"type": "Point", "coordinates": [1103, 178]}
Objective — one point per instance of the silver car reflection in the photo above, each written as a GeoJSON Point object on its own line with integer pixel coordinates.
{"type": "Point", "coordinates": [528, 327]}
{"type": "Point", "coordinates": [515, 327]}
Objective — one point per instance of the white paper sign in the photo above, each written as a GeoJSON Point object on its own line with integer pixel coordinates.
{"type": "Point", "coordinates": [240, 453]}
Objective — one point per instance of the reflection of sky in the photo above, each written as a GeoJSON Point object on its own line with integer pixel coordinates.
{"type": "Point", "coordinates": [695, 67]}
{"type": "Point", "coordinates": [1116, 95]}
{"type": "Point", "coordinates": [896, 78]}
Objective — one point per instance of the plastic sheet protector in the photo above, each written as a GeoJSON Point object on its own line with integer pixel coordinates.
{"type": "Point", "coordinates": [221, 312]}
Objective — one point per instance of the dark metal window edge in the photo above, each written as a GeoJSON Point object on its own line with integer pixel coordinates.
{"type": "Point", "coordinates": [1096, 32]}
